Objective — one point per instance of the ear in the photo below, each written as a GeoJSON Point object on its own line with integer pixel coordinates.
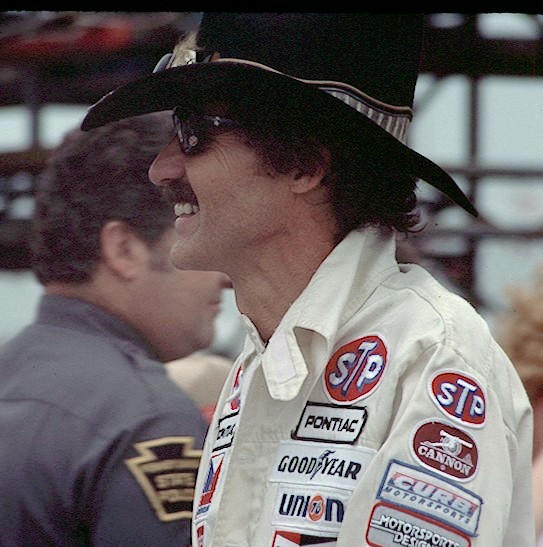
{"type": "Point", "coordinates": [123, 252]}
{"type": "Point", "coordinates": [303, 181]}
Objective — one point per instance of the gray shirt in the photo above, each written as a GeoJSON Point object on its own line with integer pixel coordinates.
{"type": "Point", "coordinates": [98, 446]}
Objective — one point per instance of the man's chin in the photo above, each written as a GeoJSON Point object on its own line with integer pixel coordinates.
{"type": "Point", "coordinates": [183, 257]}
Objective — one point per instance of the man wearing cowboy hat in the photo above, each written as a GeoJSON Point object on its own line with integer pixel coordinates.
{"type": "Point", "coordinates": [370, 406]}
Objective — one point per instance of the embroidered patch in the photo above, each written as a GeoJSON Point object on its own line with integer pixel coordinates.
{"type": "Point", "coordinates": [210, 485]}
{"type": "Point", "coordinates": [427, 493]}
{"type": "Point", "coordinates": [394, 526]}
{"type": "Point", "coordinates": [226, 428]}
{"type": "Point", "coordinates": [200, 535]}
{"type": "Point", "coordinates": [306, 509]}
{"type": "Point", "coordinates": [235, 402]}
{"type": "Point", "coordinates": [355, 370]}
{"type": "Point", "coordinates": [282, 538]}
{"type": "Point", "coordinates": [330, 423]}
{"type": "Point", "coordinates": [166, 471]}
{"type": "Point", "coordinates": [459, 396]}
{"type": "Point", "coordinates": [445, 449]}
{"type": "Point", "coordinates": [320, 464]}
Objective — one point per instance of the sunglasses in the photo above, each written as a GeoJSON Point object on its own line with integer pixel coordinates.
{"type": "Point", "coordinates": [195, 131]}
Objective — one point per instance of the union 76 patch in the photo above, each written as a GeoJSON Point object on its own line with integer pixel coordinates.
{"type": "Point", "coordinates": [355, 370]}
{"type": "Point", "coordinates": [166, 471]}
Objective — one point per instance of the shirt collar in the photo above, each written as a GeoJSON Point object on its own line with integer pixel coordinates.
{"type": "Point", "coordinates": [339, 287]}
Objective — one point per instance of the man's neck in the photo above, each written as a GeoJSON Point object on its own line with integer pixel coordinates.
{"type": "Point", "coordinates": [265, 291]}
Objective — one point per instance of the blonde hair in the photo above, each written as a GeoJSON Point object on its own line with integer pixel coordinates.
{"type": "Point", "coordinates": [184, 51]}
{"type": "Point", "coordinates": [520, 333]}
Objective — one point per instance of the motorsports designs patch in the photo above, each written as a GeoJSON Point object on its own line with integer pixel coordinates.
{"type": "Point", "coordinates": [355, 370]}
{"type": "Point", "coordinates": [391, 525]}
{"type": "Point", "coordinates": [166, 471]}
{"type": "Point", "coordinates": [459, 396]}
{"type": "Point", "coordinates": [445, 449]}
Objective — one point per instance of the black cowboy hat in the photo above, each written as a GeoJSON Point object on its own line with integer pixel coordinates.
{"type": "Point", "coordinates": [358, 69]}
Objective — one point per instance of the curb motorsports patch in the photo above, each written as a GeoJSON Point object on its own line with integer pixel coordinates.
{"type": "Point", "coordinates": [166, 471]}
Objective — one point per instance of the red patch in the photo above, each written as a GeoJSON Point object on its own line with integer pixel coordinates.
{"type": "Point", "coordinates": [446, 449]}
{"type": "Point", "coordinates": [459, 396]}
{"type": "Point", "coordinates": [283, 538]}
{"type": "Point", "coordinates": [234, 404]}
{"type": "Point", "coordinates": [200, 535]}
{"type": "Point", "coordinates": [355, 369]}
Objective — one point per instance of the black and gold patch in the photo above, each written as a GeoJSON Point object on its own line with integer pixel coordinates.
{"type": "Point", "coordinates": [166, 470]}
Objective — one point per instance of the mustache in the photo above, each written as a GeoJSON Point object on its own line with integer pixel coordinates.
{"type": "Point", "coordinates": [179, 190]}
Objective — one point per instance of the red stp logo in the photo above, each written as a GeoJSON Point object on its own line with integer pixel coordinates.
{"type": "Point", "coordinates": [355, 369]}
{"type": "Point", "coordinates": [459, 396]}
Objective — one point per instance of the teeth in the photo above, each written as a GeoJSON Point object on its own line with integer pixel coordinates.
{"type": "Point", "coordinates": [181, 209]}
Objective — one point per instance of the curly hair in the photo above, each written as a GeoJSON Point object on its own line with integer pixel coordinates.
{"type": "Point", "coordinates": [368, 184]}
{"type": "Point", "coordinates": [92, 178]}
{"type": "Point", "coordinates": [520, 333]}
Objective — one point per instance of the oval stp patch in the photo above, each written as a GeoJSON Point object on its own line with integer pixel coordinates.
{"type": "Point", "coordinates": [446, 449]}
{"type": "Point", "coordinates": [355, 369]}
{"type": "Point", "coordinates": [459, 396]}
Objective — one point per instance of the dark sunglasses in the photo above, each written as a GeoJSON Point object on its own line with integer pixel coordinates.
{"type": "Point", "coordinates": [195, 130]}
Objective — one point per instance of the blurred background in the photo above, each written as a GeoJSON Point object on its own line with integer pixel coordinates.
{"type": "Point", "coordinates": [478, 114]}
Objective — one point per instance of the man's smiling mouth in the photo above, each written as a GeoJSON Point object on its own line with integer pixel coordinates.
{"type": "Point", "coordinates": [184, 209]}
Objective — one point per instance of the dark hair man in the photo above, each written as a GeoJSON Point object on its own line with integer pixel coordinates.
{"type": "Point", "coordinates": [370, 406]}
{"type": "Point", "coordinates": [99, 446]}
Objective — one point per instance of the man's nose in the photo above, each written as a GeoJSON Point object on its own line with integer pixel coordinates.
{"type": "Point", "coordinates": [168, 165]}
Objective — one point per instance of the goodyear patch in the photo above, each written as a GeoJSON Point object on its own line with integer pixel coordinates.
{"type": "Point", "coordinates": [459, 396]}
{"type": "Point", "coordinates": [283, 538]}
{"type": "Point", "coordinates": [355, 370]}
{"type": "Point", "coordinates": [390, 526]}
{"type": "Point", "coordinates": [320, 464]}
{"type": "Point", "coordinates": [425, 492]}
{"type": "Point", "coordinates": [166, 471]}
{"type": "Point", "coordinates": [307, 509]}
{"type": "Point", "coordinates": [446, 449]}
{"type": "Point", "coordinates": [330, 423]}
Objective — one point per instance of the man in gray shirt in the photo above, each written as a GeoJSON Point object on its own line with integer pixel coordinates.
{"type": "Point", "coordinates": [99, 446]}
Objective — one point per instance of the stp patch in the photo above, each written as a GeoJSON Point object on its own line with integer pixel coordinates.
{"type": "Point", "coordinates": [459, 396]}
{"type": "Point", "coordinates": [446, 449]}
{"type": "Point", "coordinates": [355, 370]}
{"type": "Point", "coordinates": [166, 471]}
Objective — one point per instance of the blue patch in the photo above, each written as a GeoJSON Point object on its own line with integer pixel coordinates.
{"type": "Point", "coordinates": [427, 493]}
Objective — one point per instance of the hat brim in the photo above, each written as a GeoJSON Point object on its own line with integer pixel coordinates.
{"type": "Point", "coordinates": [200, 84]}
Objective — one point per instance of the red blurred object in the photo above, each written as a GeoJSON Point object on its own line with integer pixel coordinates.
{"type": "Point", "coordinates": [74, 40]}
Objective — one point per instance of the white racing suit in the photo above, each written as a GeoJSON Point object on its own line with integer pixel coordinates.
{"type": "Point", "coordinates": [381, 412]}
